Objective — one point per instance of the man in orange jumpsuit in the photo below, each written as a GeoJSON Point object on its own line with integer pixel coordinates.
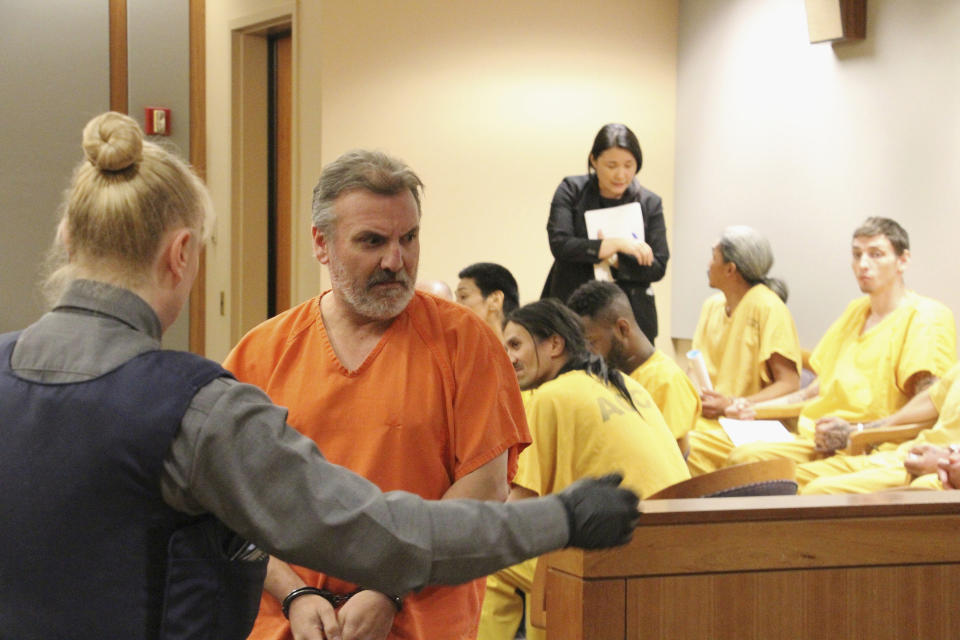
{"type": "Point", "coordinates": [410, 391]}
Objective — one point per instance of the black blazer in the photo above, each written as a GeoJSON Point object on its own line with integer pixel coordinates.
{"type": "Point", "coordinates": [574, 254]}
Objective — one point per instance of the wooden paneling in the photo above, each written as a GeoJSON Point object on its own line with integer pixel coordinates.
{"type": "Point", "coordinates": [782, 544]}
{"type": "Point", "coordinates": [577, 601]}
{"type": "Point", "coordinates": [876, 603]}
{"type": "Point", "coordinates": [119, 91]}
{"type": "Point", "coordinates": [198, 158]}
{"type": "Point", "coordinates": [681, 525]}
{"type": "Point", "coordinates": [874, 566]}
{"type": "Point", "coordinates": [283, 114]}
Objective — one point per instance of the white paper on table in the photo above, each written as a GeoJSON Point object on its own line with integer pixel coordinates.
{"type": "Point", "coordinates": [622, 221]}
{"type": "Point", "coordinates": [746, 431]}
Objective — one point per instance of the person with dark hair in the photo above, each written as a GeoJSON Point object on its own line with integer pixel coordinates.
{"type": "Point", "coordinates": [610, 181]}
{"type": "Point", "coordinates": [143, 487]}
{"type": "Point", "coordinates": [747, 339]}
{"type": "Point", "coordinates": [612, 333]}
{"type": "Point", "coordinates": [490, 291]}
{"type": "Point", "coordinates": [585, 418]}
{"type": "Point", "coordinates": [886, 347]}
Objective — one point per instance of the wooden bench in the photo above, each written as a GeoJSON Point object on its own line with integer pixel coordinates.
{"type": "Point", "coordinates": [870, 566]}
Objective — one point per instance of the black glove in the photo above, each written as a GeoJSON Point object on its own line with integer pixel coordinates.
{"type": "Point", "coordinates": [600, 513]}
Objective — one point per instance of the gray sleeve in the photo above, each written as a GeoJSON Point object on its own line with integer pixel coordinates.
{"type": "Point", "coordinates": [236, 457]}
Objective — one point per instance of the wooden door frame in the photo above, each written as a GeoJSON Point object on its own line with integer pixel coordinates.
{"type": "Point", "coordinates": [198, 158]}
{"type": "Point", "coordinates": [249, 171]}
{"type": "Point", "coordinates": [119, 101]}
{"type": "Point", "coordinates": [119, 91]}
{"type": "Point", "coordinates": [280, 171]}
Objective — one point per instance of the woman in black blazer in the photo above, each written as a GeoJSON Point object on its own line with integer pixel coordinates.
{"type": "Point", "coordinates": [610, 181]}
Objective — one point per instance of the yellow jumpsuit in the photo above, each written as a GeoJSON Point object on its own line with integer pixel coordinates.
{"type": "Point", "coordinates": [862, 376]}
{"type": "Point", "coordinates": [884, 469]}
{"type": "Point", "coordinates": [581, 427]}
{"type": "Point", "coordinates": [735, 349]}
{"type": "Point", "coordinates": [672, 391]}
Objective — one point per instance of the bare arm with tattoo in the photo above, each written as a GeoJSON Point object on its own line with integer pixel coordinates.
{"type": "Point", "coordinates": [833, 433]}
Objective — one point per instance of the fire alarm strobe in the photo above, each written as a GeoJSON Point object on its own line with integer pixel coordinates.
{"type": "Point", "coordinates": [157, 121]}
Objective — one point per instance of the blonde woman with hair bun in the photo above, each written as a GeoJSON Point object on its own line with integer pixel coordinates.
{"type": "Point", "coordinates": [128, 199]}
{"type": "Point", "coordinates": [134, 477]}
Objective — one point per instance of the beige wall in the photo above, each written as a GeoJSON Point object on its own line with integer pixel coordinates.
{"type": "Point", "coordinates": [40, 132]}
{"type": "Point", "coordinates": [158, 51]}
{"type": "Point", "coordinates": [47, 102]}
{"type": "Point", "coordinates": [804, 141]}
{"type": "Point", "coordinates": [492, 104]}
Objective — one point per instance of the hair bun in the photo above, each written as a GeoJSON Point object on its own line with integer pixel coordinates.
{"type": "Point", "coordinates": [113, 142]}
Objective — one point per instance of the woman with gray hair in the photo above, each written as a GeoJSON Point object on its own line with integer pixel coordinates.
{"type": "Point", "coordinates": [752, 256]}
{"type": "Point", "coordinates": [746, 337]}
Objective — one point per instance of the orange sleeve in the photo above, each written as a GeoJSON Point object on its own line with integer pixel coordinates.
{"type": "Point", "coordinates": [488, 411]}
{"type": "Point", "coordinates": [254, 358]}
{"type": "Point", "coordinates": [242, 360]}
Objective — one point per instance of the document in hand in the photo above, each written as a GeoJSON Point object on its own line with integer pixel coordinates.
{"type": "Point", "coordinates": [623, 221]}
{"type": "Point", "coordinates": [698, 370]}
{"type": "Point", "coordinates": [746, 431]}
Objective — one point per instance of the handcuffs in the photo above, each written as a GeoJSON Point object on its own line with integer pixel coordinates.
{"type": "Point", "coordinates": [336, 600]}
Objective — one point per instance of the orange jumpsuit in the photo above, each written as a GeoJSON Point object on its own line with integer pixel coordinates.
{"type": "Point", "coordinates": [435, 400]}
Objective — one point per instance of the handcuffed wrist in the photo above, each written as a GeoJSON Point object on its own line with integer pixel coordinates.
{"type": "Point", "coordinates": [296, 593]}
{"type": "Point", "coordinates": [396, 600]}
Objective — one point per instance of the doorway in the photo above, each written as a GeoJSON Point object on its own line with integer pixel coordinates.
{"type": "Point", "coordinates": [262, 184]}
{"type": "Point", "coordinates": [278, 173]}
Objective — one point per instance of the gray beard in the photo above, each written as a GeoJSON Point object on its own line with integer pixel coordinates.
{"type": "Point", "coordinates": [373, 306]}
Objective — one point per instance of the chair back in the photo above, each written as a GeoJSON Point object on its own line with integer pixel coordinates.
{"type": "Point", "coordinates": [764, 478]}
{"type": "Point", "coordinates": [863, 442]}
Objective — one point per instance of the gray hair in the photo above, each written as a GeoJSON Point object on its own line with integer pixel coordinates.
{"type": "Point", "coordinates": [372, 171]}
{"type": "Point", "coordinates": [751, 254]}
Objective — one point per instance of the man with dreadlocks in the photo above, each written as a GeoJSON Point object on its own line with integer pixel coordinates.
{"type": "Point", "coordinates": [585, 419]}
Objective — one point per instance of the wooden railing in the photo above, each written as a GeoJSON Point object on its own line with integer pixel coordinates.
{"type": "Point", "coordinates": [865, 566]}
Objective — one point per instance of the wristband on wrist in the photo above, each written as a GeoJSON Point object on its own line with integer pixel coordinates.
{"type": "Point", "coordinates": [396, 600]}
{"type": "Point", "coordinates": [296, 593]}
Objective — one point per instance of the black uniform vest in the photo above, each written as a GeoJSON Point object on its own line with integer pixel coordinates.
{"type": "Point", "coordinates": [88, 547]}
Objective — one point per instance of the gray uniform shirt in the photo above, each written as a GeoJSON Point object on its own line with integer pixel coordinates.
{"type": "Point", "coordinates": [236, 457]}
